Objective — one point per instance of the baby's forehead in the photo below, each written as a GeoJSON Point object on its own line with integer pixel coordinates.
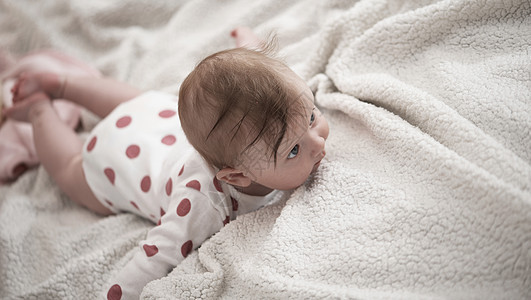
{"type": "Point", "coordinates": [303, 104]}
{"type": "Point", "coordinates": [297, 124]}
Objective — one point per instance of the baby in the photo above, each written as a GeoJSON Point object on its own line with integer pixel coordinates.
{"type": "Point", "coordinates": [243, 130]}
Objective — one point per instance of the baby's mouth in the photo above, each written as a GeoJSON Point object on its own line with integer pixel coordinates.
{"type": "Point", "coordinates": [317, 164]}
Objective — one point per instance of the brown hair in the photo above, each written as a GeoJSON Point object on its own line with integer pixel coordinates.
{"type": "Point", "coordinates": [232, 100]}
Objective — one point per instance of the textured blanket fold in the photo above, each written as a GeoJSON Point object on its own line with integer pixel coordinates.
{"type": "Point", "coordinates": [425, 192]}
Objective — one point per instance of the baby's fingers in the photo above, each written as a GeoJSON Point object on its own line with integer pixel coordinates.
{"type": "Point", "coordinates": [23, 88]}
{"type": "Point", "coordinates": [14, 89]}
{"type": "Point", "coordinates": [20, 110]}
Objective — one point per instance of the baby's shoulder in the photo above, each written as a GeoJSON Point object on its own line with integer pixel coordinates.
{"type": "Point", "coordinates": [196, 179]}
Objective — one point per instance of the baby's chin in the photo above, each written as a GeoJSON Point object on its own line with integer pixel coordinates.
{"type": "Point", "coordinates": [313, 171]}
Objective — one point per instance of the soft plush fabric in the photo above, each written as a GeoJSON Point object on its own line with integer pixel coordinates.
{"type": "Point", "coordinates": [425, 192]}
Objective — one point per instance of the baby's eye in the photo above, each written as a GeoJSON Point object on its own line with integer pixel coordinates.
{"type": "Point", "coordinates": [312, 118]}
{"type": "Point", "coordinates": [293, 152]}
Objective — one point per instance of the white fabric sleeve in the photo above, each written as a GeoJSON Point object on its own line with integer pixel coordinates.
{"type": "Point", "coordinates": [188, 222]}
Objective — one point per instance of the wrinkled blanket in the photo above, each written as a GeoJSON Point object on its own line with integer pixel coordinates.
{"type": "Point", "coordinates": [425, 192]}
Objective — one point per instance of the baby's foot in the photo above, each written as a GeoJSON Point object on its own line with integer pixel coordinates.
{"type": "Point", "coordinates": [22, 109]}
{"type": "Point", "coordinates": [246, 38]}
{"type": "Point", "coordinates": [31, 83]}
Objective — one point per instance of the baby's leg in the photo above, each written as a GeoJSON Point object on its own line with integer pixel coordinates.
{"type": "Point", "coordinates": [59, 149]}
{"type": "Point", "coordinates": [99, 95]}
{"type": "Point", "coordinates": [246, 38]}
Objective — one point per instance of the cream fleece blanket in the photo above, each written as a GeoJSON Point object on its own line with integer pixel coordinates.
{"type": "Point", "coordinates": [426, 188]}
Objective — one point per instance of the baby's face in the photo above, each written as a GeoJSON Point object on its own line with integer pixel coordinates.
{"type": "Point", "coordinates": [301, 151]}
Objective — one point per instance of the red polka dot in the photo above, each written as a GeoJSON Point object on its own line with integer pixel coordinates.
{"type": "Point", "coordinates": [123, 122]}
{"type": "Point", "coordinates": [226, 221]}
{"type": "Point", "coordinates": [169, 187]}
{"type": "Point", "coordinates": [109, 202]}
{"type": "Point", "coordinates": [181, 171]}
{"type": "Point", "coordinates": [110, 174]}
{"type": "Point", "coordinates": [92, 144]}
{"type": "Point", "coordinates": [217, 185]}
{"type": "Point", "coordinates": [184, 207]}
{"type": "Point", "coordinates": [159, 222]}
{"type": "Point", "coordinates": [114, 293]}
{"type": "Point", "coordinates": [150, 250]}
{"type": "Point", "coordinates": [234, 204]}
{"type": "Point", "coordinates": [135, 205]}
{"type": "Point", "coordinates": [132, 151]}
{"type": "Point", "coordinates": [145, 184]}
{"type": "Point", "coordinates": [169, 140]}
{"type": "Point", "coordinates": [168, 113]}
{"type": "Point", "coordinates": [194, 184]}
{"type": "Point", "coordinates": [187, 248]}
{"type": "Point", "coordinates": [162, 212]}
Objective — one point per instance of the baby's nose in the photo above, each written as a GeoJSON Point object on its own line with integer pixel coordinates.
{"type": "Point", "coordinates": [318, 146]}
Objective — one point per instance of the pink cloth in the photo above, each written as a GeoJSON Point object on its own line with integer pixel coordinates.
{"type": "Point", "coordinates": [17, 150]}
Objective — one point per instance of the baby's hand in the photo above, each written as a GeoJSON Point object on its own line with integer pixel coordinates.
{"type": "Point", "coordinates": [246, 38]}
{"type": "Point", "coordinates": [31, 83]}
{"type": "Point", "coordinates": [21, 110]}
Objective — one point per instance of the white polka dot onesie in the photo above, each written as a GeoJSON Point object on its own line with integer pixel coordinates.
{"type": "Point", "coordinates": [138, 160]}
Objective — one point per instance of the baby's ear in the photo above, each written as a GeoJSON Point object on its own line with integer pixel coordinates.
{"type": "Point", "coordinates": [233, 177]}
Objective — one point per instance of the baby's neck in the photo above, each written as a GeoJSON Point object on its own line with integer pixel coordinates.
{"type": "Point", "coordinates": [254, 189]}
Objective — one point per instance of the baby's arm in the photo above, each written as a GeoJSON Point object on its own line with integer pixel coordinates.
{"type": "Point", "coordinates": [99, 95]}
{"type": "Point", "coordinates": [184, 227]}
